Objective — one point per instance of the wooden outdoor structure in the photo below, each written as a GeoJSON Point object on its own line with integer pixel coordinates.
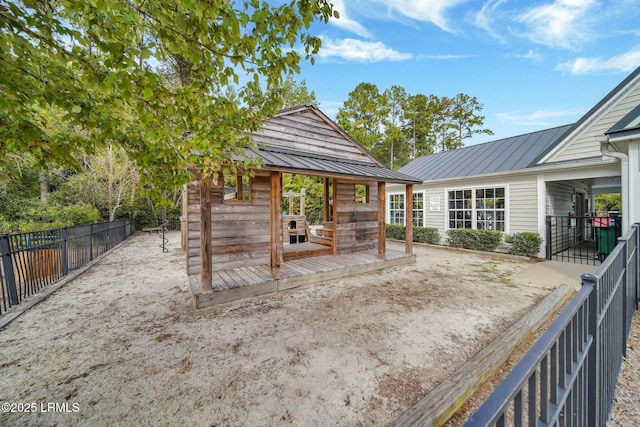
{"type": "Point", "coordinates": [236, 245]}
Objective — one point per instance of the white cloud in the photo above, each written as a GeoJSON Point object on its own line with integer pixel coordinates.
{"type": "Point", "coordinates": [626, 62]}
{"type": "Point", "coordinates": [562, 24]}
{"type": "Point", "coordinates": [360, 51]}
{"type": "Point", "coordinates": [346, 23]}
{"type": "Point", "coordinates": [537, 118]}
{"type": "Point", "coordinates": [427, 11]}
{"type": "Point", "coordinates": [531, 54]}
{"type": "Point", "coordinates": [484, 18]}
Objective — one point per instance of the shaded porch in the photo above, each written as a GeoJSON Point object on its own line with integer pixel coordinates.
{"type": "Point", "coordinates": [250, 281]}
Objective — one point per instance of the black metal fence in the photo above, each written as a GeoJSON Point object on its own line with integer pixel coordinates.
{"type": "Point", "coordinates": [32, 261]}
{"type": "Point", "coordinates": [173, 223]}
{"type": "Point", "coordinates": [569, 376]}
{"type": "Point", "coordinates": [581, 239]}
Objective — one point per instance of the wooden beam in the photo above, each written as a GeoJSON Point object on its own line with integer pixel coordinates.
{"type": "Point", "coordinates": [206, 268]}
{"type": "Point", "coordinates": [238, 186]}
{"type": "Point", "coordinates": [276, 223]}
{"type": "Point", "coordinates": [382, 226]}
{"type": "Point", "coordinates": [408, 214]}
{"type": "Point", "coordinates": [327, 196]}
{"type": "Point", "coordinates": [445, 400]}
{"type": "Point", "coordinates": [334, 217]}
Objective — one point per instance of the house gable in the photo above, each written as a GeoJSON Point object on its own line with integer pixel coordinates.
{"type": "Point", "coordinates": [306, 129]}
{"type": "Point", "coordinates": [582, 140]}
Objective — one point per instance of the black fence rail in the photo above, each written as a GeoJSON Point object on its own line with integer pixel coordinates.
{"type": "Point", "coordinates": [569, 376]}
{"type": "Point", "coordinates": [173, 223]}
{"type": "Point", "coordinates": [29, 262]}
{"type": "Point", "coordinates": [581, 239]}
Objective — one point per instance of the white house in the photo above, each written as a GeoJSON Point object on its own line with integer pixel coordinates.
{"type": "Point", "coordinates": [535, 181]}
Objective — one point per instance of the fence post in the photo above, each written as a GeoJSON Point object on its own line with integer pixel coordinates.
{"type": "Point", "coordinates": [625, 288]}
{"type": "Point", "coordinates": [548, 236]}
{"type": "Point", "coordinates": [65, 264]}
{"type": "Point", "coordinates": [7, 265]}
{"type": "Point", "coordinates": [593, 381]}
{"type": "Point", "coordinates": [91, 242]}
{"type": "Point", "coordinates": [637, 284]}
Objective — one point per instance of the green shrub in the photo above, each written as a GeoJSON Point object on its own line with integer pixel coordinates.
{"type": "Point", "coordinates": [479, 240]}
{"type": "Point", "coordinates": [426, 235]}
{"type": "Point", "coordinates": [395, 231]}
{"type": "Point", "coordinates": [420, 234]}
{"type": "Point", "coordinates": [525, 243]}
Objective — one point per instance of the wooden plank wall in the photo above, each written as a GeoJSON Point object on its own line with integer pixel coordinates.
{"type": "Point", "coordinates": [240, 229]}
{"type": "Point", "coordinates": [357, 223]}
{"type": "Point", "coordinates": [306, 131]}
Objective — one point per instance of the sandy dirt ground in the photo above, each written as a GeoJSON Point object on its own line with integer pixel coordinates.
{"type": "Point", "coordinates": [123, 345]}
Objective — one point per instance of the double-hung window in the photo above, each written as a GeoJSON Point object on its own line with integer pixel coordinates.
{"type": "Point", "coordinates": [396, 209]}
{"type": "Point", "coordinates": [477, 208]}
{"type": "Point", "coordinates": [397, 206]}
{"type": "Point", "coordinates": [418, 209]}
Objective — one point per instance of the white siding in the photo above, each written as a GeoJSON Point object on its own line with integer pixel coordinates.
{"type": "Point", "coordinates": [584, 143]}
{"type": "Point", "coordinates": [521, 203]}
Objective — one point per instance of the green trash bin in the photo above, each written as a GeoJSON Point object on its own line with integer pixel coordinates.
{"type": "Point", "coordinates": [606, 240]}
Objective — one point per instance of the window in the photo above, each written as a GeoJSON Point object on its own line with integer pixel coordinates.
{"type": "Point", "coordinates": [362, 193]}
{"type": "Point", "coordinates": [460, 209]}
{"type": "Point", "coordinates": [396, 209]}
{"type": "Point", "coordinates": [480, 208]}
{"type": "Point", "coordinates": [418, 209]}
{"type": "Point", "coordinates": [490, 209]}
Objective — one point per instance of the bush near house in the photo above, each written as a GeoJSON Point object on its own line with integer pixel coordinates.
{"type": "Point", "coordinates": [420, 234]}
{"type": "Point", "coordinates": [479, 240]}
{"type": "Point", "coordinates": [524, 244]}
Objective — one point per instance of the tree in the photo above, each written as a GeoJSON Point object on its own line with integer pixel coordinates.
{"type": "Point", "coordinates": [465, 120]}
{"type": "Point", "coordinates": [362, 113]}
{"type": "Point", "coordinates": [395, 142]}
{"type": "Point", "coordinates": [295, 94]}
{"type": "Point", "coordinates": [420, 114]}
{"type": "Point", "coordinates": [87, 60]}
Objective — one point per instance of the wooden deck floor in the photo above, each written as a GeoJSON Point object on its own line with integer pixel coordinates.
{"type": "Point", "coordinates": [231, 285]}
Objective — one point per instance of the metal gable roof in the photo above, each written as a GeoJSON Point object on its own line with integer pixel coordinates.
{"type": "Point", "coordinates": [503, 155]}
{"type": "Point", "coordinates": [628, 124]}
{"type": "Point", "coordinates": [303, 162]}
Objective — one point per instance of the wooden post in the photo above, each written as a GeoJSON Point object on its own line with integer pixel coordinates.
{"type": "Point", "coordinates": [302, 200]}
{"type": "Point", "coordinates": [334, 217]}
{"type": "Point", "coordinates": [408, 215]}
{"type": "Point", "coordinates": [327, 196]}
{"type": "Point", "coordinates": [276, 223]}
{"type": "Point", "coordinates": [206, 269]}
{"type": "Point", "coordinates": [382, 226]}
{"type": "Point", "coordinates": [239, 189]}
{"type": "Point", "coordinates": [290, 194]}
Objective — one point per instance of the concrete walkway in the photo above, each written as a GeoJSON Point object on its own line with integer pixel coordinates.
{"type": "Point", "coordinates": [555, 273]}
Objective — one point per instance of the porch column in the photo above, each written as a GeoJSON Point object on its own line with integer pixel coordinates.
{"type": "Point", "coordinates": [634, 182]}
{"type": "Point", "coordinates": [334, 217]}
{"type": "Point", "coordinates": [276, 223]}
{"type": "Point", "coordinates": [327, 196]}
{"type": "Point", "coordinates": [382, 224]}
{"type": "Point", "coordinates": [408, 215]}
{"type": "Point", "coordinates": [206, 270]}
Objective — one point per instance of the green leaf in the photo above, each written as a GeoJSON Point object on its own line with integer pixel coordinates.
{"type": "Point", "coordinates": [76, 109]}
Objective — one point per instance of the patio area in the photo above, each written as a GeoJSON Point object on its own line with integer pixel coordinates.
{"type": "Point", "coordinates": [238, 283]}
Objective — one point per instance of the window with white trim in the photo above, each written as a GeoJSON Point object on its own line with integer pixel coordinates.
{"type": "Point", "coordinates": [418, 209]}
{"type": "Point", "coordinates": [396, 209]}
{"type": "Point", "coordinates": [477, 208]}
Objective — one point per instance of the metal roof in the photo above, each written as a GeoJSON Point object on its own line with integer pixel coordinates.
{"type": "Point", "coordinates": [628, 124]}
{"type": "Point", "coordinates": [281, 159]}
{"type": "Point", "coordinates": [502, 155]}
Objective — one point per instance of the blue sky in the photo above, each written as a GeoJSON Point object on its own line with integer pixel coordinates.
{"type": "Point", "coordinates": [532, 64]}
